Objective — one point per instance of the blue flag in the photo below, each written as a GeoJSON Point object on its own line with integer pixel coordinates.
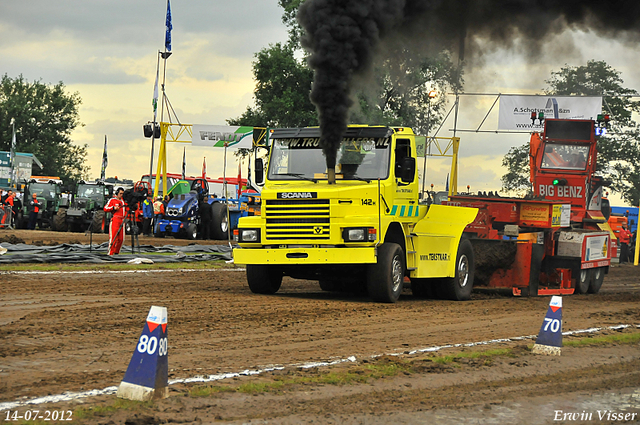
{"type": "Point", "coordinates": [167, 37]}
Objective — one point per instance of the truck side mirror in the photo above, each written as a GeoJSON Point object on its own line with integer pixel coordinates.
{"type": "Point", "coordinates": [259, 171]}
{"type": "Point", "coordinates": [408, 170]}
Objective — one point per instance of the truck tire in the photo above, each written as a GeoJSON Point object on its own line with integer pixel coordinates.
{"type": "Point", "coordinates": [60, 220]}
{"type": "Point", "coordinates": [459, 287]}
{"type": "Point", "coordinates": [192, 231]}
{"type": "Point", "coordinates": [582, 281]}
{"type": "Point", "coordinates": [219, 222]}
{"type": "Point", "coordinates": [264, 279]}
{"type": "Point", "coordinates": [386, 277]}
{"type": "Point", "coordinates": [98, 223]}
{"type": "Point", "coordinates": [597, 277]}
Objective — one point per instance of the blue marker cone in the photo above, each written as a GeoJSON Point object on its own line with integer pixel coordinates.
{"type": "Point", "coordinates": [148, 372]}
{"type": "Point", "coordinates": [549, 341]}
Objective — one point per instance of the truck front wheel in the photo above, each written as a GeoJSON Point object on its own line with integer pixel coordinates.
{"type": "Point", "coordinates": [459, 287]}
{"type": "Point", "coordinates": [386, 277]}
{"type": "Point", "coordinates": [264, 279]}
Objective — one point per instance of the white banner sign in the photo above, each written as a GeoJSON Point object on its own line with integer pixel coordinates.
{"type": "Point", "coordinates": [515, 111]}
{"type": "Point", "coordinates": [217, 135]}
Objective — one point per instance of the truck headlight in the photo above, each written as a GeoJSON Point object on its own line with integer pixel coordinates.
{"type": "Point", "coordinates": [248, 235]}
{"type": "Point", "coordinates": [359, 234]}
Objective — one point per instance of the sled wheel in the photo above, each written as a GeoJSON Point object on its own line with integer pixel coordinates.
{"type": "Point", "coordinates": [583, 280]}
{"type": "Point", "coordinates": [597, 277]}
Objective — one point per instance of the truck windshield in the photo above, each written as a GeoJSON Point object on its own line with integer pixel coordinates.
{"type": "Point", "coordinates": [565, 156]}
{"type": "Point", "coordinates": [44, 190]}
{"type": "Point", "coordinates": [357, 159]}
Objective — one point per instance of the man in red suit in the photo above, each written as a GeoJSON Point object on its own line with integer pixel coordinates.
{"type": "Point", "coordinates": [117, 207]}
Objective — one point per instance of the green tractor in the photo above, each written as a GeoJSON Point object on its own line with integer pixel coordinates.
{"type": "Point", "coordinates": [86, 209]}
{"type": "Point", "coordinates": [48, 191]}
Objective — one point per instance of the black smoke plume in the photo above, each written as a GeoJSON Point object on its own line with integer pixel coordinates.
{"type": "Point", "coordinates": [343, 37]}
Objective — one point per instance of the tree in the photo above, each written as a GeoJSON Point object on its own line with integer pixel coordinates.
{"type": "Point", "coordinates": [44, 117]}
{"type": "Point", "coordinates": [618, 152]}
{"type": "Point", "coordinates": [397, 95]}
{"type": "Point", "coordinates": [401, 93]}
{"type": "Point", "coordinates": [516, 160]}
{"type": "Point", "coordinates": [282, 91]}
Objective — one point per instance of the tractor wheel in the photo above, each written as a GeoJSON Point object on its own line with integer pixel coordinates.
{"type": "Point", "coordinates": [107, 223]}
{"type": "Point", "coordinates": [264, 279]}
{"type": "Point", "coordinates": [385, 278]}
{"type": "Point", "coordinates": [583, 280]}
{"type": "Point", "coordinates": [459, 287]}
{"type": "Point", "coordinates": [21, 221]}
{"type": "Point", "coordinates": [60, 220]}
{"type": "Point", "coordinates": [220, 222]}
{"type": "Point", "coordinates": [98, 223]}
{"type": "Point", "coordinates": [192, 231]}
{"type": "Point", "coordinates": [597, 277]}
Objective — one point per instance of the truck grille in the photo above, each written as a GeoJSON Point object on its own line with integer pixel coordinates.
{"type": "Point", "coordinates": [297, 219]}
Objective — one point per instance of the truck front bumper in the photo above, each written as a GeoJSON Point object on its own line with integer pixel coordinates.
{"type": "Point", "coordinates": [290, 256]}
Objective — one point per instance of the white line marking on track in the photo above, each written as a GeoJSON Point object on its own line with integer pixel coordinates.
{"type": "Point", "coordinates": [26, 272]}
{"type": "Point", "coordinates": [69, 396]}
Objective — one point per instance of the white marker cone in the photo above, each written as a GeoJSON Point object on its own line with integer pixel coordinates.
{"type": "Point", "coordinates": [148, 372]}
{"type": "Point", "coordinates": [549, 341]}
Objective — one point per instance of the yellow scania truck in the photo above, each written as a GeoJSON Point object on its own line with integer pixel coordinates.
{"type": "Point", "coordinates": [366, 232]}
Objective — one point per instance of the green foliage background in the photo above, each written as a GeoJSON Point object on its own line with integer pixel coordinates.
{"type": "Point", "coordinates": [45, 115]}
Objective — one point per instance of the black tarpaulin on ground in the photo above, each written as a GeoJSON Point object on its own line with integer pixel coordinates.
{"type": "Point", "coordinates": [77, 253]}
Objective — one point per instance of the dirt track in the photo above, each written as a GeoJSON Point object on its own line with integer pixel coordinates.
{"type": "Point", "coordinates": [71, 332]}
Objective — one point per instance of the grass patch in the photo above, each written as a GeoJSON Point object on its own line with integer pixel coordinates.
{"type": "Point", "coordinates": [625, 338]}
{"type": "Point", "coordinates": [206, 391]}
{"type": "Point", "coordinates": [105, 410]}
{"type": "Point", "coordinates": [498, 352]}
{"type": "Point", "coordinates": [114, 267]}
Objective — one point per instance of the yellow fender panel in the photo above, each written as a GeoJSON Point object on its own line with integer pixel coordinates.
{"type": "Point", "coordinates": [436, 240]}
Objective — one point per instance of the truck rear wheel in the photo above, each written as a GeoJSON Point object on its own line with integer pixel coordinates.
{"type": "Point", "coordinates": [220, 221]}
{"type": "Point", "coordinates": [386, 277]}
{"type": "Point", "coordinates": [264, 279]}
{"type": "Point", "coordinates": [459, 287]}
{"type": "Point", "coordinates": [60, 220]}
{"type": "Point", "coordinates": [597, 277]}
{"type": "Point", "coordinates": [582, 281]}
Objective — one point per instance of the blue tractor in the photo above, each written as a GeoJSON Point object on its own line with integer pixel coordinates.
{"type": "Point", "coordinates": [181, 216]}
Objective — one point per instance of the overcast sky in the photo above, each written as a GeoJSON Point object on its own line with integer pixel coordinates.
{"type": "Point", "coordinates": [107, 52]}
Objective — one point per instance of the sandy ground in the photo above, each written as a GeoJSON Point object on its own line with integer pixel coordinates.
{"type": "Point", "coordinates": [76, 332]}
